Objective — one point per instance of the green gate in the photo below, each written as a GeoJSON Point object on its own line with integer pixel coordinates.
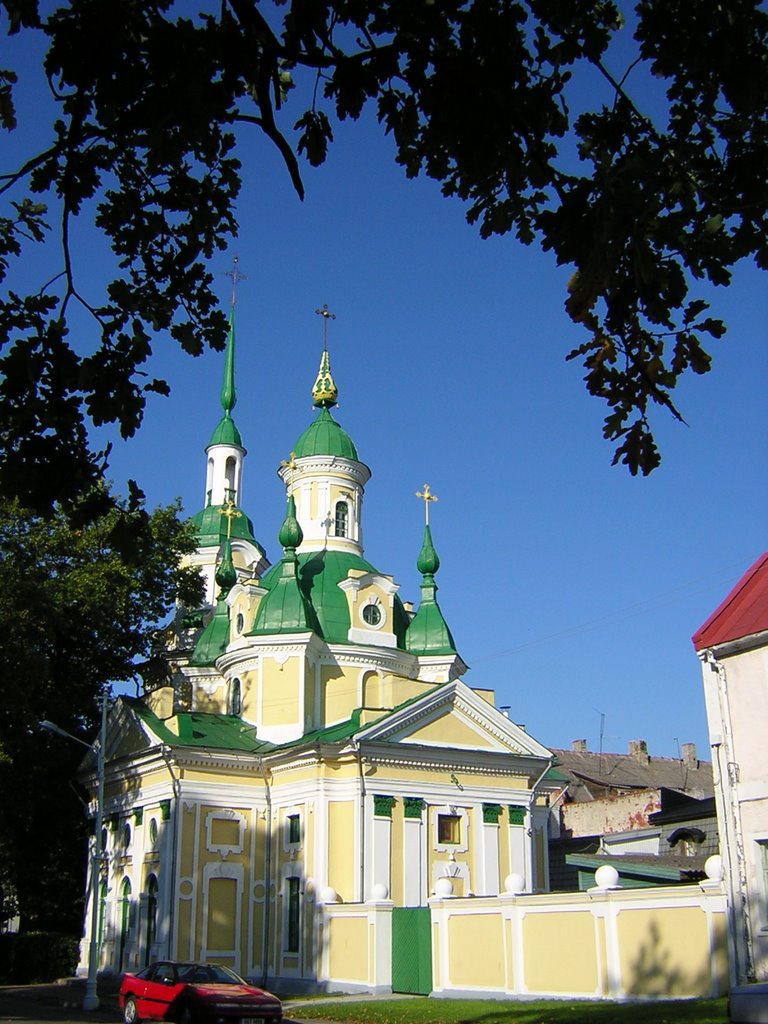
{"type": "Point", "coordinates": [411, 950]}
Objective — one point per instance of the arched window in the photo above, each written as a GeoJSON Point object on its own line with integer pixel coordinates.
{"type": "Point", "coordinates": [236, 699]}
{"type": "Point", "coordinates": [229, 479]}
{"type": "Point", "coordinates": [102, 912]}
{"type": "Point", "coordinates": [340, 519]}
{"type": "Point", "coordinates": [151, 917]}
{"type": "Point", "coordinates": [126, 836]}
{"type": "Point", "coordinates": [125, 919]}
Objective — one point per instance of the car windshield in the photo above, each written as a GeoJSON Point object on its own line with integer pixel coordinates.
{"type": "Point", "coordinates": [207, 974]}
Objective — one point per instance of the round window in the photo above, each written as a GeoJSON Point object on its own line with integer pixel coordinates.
{"type": "Point", "coordinates": [372, 614]}
{"type": "Point", "coordinates": [153, 831]}
{"type": "Point", "coordinates": [239, 622]}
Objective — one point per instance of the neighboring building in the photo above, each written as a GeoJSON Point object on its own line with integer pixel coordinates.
{"type": "Point", "coordinates": [307, 741]}
{"type": "Point", "coordinates": [655, 813]}
{"type": "Point", "coordinates": [732, 646]}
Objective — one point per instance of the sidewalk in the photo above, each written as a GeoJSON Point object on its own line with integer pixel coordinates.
{"type": "Point", "coordinates": [58, 1001]}
{"type": "Point", "coordinates": [62, 1002]}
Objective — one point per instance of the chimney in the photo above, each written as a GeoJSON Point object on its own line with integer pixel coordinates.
{"type": "Point", "coordinates": [639, 750]}
{"type": "Point", "coordinates": [689, 755]}
{"type": "Point", "coordinates": [579, 746]}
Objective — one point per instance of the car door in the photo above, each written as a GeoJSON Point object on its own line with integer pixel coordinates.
{"type": "Point", "coordinates": [161, 990]}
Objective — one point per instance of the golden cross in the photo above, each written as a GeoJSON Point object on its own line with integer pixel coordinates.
{"type": "Point", "coordinates": [236, 276]}
{"type": "Point", "coordinates": [426, 496]}
{"type": "Point", "coordinates": [228, 509]}
{"type": "Point", "coordinates": [326, 315]}
{"type": "Point", "coordinates": [289, 464]}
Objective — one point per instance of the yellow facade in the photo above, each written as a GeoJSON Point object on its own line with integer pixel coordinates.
{"type": "Point", "coordinates": [341, 848]}
{"type": "Point", "coordinates": [348, 948]}
{"type": "Point", "coordinates": [663, 952]}
{"type": "Point", "coordinates": [467, 934]}
{"type": "Point", "coordinates": [560, 953]}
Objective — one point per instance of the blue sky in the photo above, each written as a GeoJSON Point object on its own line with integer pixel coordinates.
{"type": "Point", "coordinates": [571, 587]}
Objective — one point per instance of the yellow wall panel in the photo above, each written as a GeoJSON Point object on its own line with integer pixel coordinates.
{"type": "Point", "coordinates": [559, 953]}
{"type": "Point", "coordinates": [280, 692]}
{"type": "Point", "coordinates": [187, 826]}
{"type": "Point", "coordinates": [664, 952]}
{"type": "Point", "coordinates": [339, 692]}
{"type": "Point", "coordinates": [183, 927]}
{"type": "Point", "coordinates": [720, 929]}
{"type": "Point", "coordinates": [476, 950]}
{"type": "Point", "coordinates": [225, 832]}
{"type": "Point", "coordinates": [348, 944]}
{"type": "Point", "coordinates": [222, 909]}
{"type": "Point", "coordinates": [341, 848]}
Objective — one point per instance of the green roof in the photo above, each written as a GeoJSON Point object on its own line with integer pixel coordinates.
{"type": "Point", "coordinates": [555, 775]}
{"type": "Point", "coordinates": [214, 638]}
{"type": "Point", "coordinates": [226, 433]}
{"type": "Point", "coordinates": [212, 527]}
{"type": "Point", "coordinates": [428, 632]}
{"type": "Point", "coordinates": [324, 436]}
{"type": "Point", "coordinates": [201, 729]}
{"type": "Point", "coordinates": [228, 732]}
{"type": "Point", "coordinates": [320, 573]}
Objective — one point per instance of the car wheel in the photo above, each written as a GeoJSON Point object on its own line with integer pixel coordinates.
{"type": "Point", "coordinates": [130, 1011]}
{"type": "Point", "coordinates": [185, 1015]}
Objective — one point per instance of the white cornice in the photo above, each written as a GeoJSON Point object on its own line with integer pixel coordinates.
{"type": "Point", "coordinates": [329, 464]}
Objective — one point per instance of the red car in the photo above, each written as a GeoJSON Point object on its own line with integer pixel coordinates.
{"type": "Point", "coordinates": [195, 994]}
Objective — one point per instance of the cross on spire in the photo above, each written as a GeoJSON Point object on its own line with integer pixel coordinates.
{"type": "Point", "coordinates": [426, 496]}
{"type": "Point", "coordinates": [236, 276]}
{"type": "Point", "coordinates": [290, 465]}
{"type": "Point", "coordinates": [229, 510]}
{"type": "Point", "coordinates": [326, 315]}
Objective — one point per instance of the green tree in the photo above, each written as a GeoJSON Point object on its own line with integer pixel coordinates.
{"type": "Point", "coordinates": [642, 201]}
{"type": "Point", "coordinates": [78, 607]}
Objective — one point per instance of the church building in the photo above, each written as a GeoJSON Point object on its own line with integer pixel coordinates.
{"type": "Point", "coordinates": [308, 740]}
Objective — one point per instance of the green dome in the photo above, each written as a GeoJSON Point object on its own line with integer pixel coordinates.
{"type": "Point", "coordinates": [212, 527]}
{"type": "Point", "coordinates": [226, 433]}
{"type": "Point", "coordinates": [214, 639]}
{"type": "Point", "coordinates": [325, 437]}
{"type": "Point", "coordinates": [291, 534]}
{"type": "Point", "coordinates": [320, 573]}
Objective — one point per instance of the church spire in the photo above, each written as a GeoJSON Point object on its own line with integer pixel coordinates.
{"type": "Point", "coordinates": [214, 639]}
{"type": "Point", "coordinates": [228, 396]}
{"type": "Point", "coordinates": [428, 632]}
{"type": "Point", "coordinates": [285, 609]}
{"type": "Point", "coordinates": [325, 394]}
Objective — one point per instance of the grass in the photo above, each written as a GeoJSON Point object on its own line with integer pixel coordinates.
{"type": "Point", "coordinates": [420, 1010]}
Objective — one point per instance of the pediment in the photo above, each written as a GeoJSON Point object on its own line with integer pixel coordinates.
{"type": "Point", "coordinates": [127, 734]}
{"type": "Point", "coordinates": [454, 716]}
{"type": "Point", "coordinates": [451, 727]}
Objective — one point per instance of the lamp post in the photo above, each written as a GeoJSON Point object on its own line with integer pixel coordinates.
{"type": "Point", "coordinates": [91, 999]}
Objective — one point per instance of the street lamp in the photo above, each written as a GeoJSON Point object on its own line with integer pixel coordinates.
{"type": "Point", "coordinates": [91, 999]}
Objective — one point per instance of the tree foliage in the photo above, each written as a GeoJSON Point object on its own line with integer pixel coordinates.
{"type": "Point", "coordinates": [78, 606]}
{"type": "Point", "coordinates": [660, 184]}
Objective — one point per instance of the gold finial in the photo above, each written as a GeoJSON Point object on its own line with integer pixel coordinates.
{"type": "Point", "coordinates": [426, 496]}
{"type": "Point", "coordinates": [326, 315]}
{"type": "Point", "coordinates": [229, 510]}
{"type": "Point", "coordinates": [290, 465]}
{"type": "Point", "coordinates": [236, 276]}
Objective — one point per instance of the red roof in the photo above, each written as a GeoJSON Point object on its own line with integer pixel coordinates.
{"type": "Point", "coordinates": [742, 613]}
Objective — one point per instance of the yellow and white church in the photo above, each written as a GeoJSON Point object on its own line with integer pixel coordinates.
{"type": "Point", "coordinates": [309, 754]}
